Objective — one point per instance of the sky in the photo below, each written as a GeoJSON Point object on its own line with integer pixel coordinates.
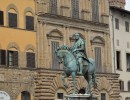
{"type": "Point", "coordinates": [127, 7]}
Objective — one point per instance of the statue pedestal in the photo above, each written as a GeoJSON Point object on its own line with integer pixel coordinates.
{"type": "Point", "coordinates": [80, 97]}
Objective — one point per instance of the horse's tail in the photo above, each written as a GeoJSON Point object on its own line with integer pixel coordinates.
{"type": "Point", "coordinates": [94, 73]}
{"type": "Point", "coordinates": [94, 80]}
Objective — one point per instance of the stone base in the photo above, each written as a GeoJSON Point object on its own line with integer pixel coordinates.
{"type": "Point", "coordinates": [80, 97]}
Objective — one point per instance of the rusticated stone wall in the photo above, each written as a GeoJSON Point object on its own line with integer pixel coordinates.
{"type": "Point", "coordinates": [14, 81]}
{"type": "Point", "coordinates": [48, 82]}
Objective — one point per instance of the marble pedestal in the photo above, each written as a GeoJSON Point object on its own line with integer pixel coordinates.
{"type": "Point", "coordinates": [80, 97]}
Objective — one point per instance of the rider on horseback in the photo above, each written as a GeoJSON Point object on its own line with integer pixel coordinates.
{"type": "Point", "coordinates": [79, 51]}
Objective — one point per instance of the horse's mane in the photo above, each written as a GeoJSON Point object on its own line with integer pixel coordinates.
{"type": "Point", "coordinates": [64, 47]}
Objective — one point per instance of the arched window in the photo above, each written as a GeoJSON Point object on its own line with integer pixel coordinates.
{"type": "Point", "coordinates": [12, 18]}
{"type": "Point", "coordinates": [55, 39]}
{"type": "Point", "coordinates": [25, 95]}
{"type": "Point", "coordinates": [98, 43]}
{"type": "Point", "coordinates": [30, 58]}
{"type": "Point", "coordinates": [29, 21]}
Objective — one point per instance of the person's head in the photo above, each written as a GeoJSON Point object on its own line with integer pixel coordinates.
{"type": "Point", "coordinates": [77, 35]}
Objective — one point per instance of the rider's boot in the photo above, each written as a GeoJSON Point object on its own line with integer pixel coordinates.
{"type": "Point", "coordinates": [81, 69]}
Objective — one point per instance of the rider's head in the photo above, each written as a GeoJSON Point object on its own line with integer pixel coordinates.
{"type": "Point", "coordinates": [77, 35]}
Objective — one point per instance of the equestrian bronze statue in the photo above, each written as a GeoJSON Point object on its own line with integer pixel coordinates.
{"type": "Point", "coordinates": [76, 63]}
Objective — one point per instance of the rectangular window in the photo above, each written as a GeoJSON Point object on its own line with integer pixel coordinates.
{"type": "Point", "coordinates": [128, 86]}
{"type": "Point", "coordinates": [127, 26]}
{"type": "Point", "coordinates": [53, 7]}
{"type": "Point", "coordinates": [103, 96]}
{"type": "Point", "coordinates": [95, 11]}
{"type": "Point", "coordinates": [121, 85]}
{"type": "Point", "coordinates": [128, 61]}
{"type": "Point", "coordinates": [60, 96]}
{"type": "Point", "coordinates": [13, 58]}
{"type": "Point", "coordinates": [116, 23]}
{"type": "Point", "coordinates": [118, 62]}
{"type": "Point", "coordinates": [98, 59]}
{"type": "Point", "coordinates": [55, 63]}
{"type": "Point", "coordinates": [75, 8]}
{"type": "Point", "coordinates": [30, 59]}
{"type": "Point", "coordinates": [2, 57]}
{"type": "Point", "coordinates": [1, 18]}
{"type": "Point", "coordinates": [12, 18]}
{"type": "Point", "coordinates": [29, 22]}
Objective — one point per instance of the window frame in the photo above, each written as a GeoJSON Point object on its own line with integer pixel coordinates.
{"type": "Point", "coordinates": [127, 61]}
{"type": "Point", "coordinates": [75, 8]}
{"type": "Point", "coordinates": [118, 65]}
{"type": "Point", "coordinates": [26, 23]}
{"type": "Point", "coordinates": [15, 54]}
{"type": "Point", "coordinates": [121, 83]}
{"type": "Point", "coordinates": [127, 26]}
{"type": "Point", "coordinates": [2, 54]}
{"type": "Point", "coordinates": [117, 26]}
{"type": "Point", "coordinates": [10, 23]}
{"type": "Point", "coordinates": [27, 59]}
{"type": "Point", "coordinates": [1, 17]}
{"type": "Point", "coordinates": [128, 85]}
{"type": "Point", "coordinates": [102, 96]}
{"type": "Point", "coordinates": [59, 97]}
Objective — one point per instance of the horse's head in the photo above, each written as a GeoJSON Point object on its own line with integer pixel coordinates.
{"type": "Point", "coordinates": [59, 55]}
{"type": "Point", "coordinates": [60, 52]}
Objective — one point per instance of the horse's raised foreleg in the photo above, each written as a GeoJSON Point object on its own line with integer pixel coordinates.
{"type": "Point", "coordinates": [63, 79]}
{"type": "Point", "coordinates": [74, 82]}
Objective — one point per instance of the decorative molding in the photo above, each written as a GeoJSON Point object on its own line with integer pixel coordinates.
{"type": "Point", "coordinates": [13, 45]}
{"type": "Point", "coordinates": [98, 40]}
{"type": "Point", "coordinates": [74, 23]}
{"type": "Point", "coordinates": [30, 47]}
{"type": "Point", "coordinates": [50, 34]}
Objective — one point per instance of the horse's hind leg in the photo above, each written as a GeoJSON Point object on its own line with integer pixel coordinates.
{"type": "Point", "coordinates": [63, 79]}
{"type": "Point", "coordinates": [88, 78]}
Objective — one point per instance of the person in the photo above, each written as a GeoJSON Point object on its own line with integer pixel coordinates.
{"type": "Point", "coordinates": [79, 51]}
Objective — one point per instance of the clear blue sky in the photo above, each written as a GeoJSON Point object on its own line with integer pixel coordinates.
{"type": "Point", "coordinates": [127, 7]}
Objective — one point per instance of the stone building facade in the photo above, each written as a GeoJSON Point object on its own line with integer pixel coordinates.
{"type": "Point", "coordinates": [17, 47]}
{"type": "Point", "coordinates": [120, 47]}
{"type": "Point", "coordinates": [55, 22]}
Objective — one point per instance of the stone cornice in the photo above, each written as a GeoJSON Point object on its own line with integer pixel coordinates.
{"type": "Point", "coordinates": [74, 23]}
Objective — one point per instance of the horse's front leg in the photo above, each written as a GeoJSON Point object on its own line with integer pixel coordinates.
{"type": "Point", "coordinates": [63, 79]}
{"type": "Point", "coordinates": [74, 82]}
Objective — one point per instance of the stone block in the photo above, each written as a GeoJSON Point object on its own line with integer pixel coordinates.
{"type": "Point", "coordinates": [80, 97]}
